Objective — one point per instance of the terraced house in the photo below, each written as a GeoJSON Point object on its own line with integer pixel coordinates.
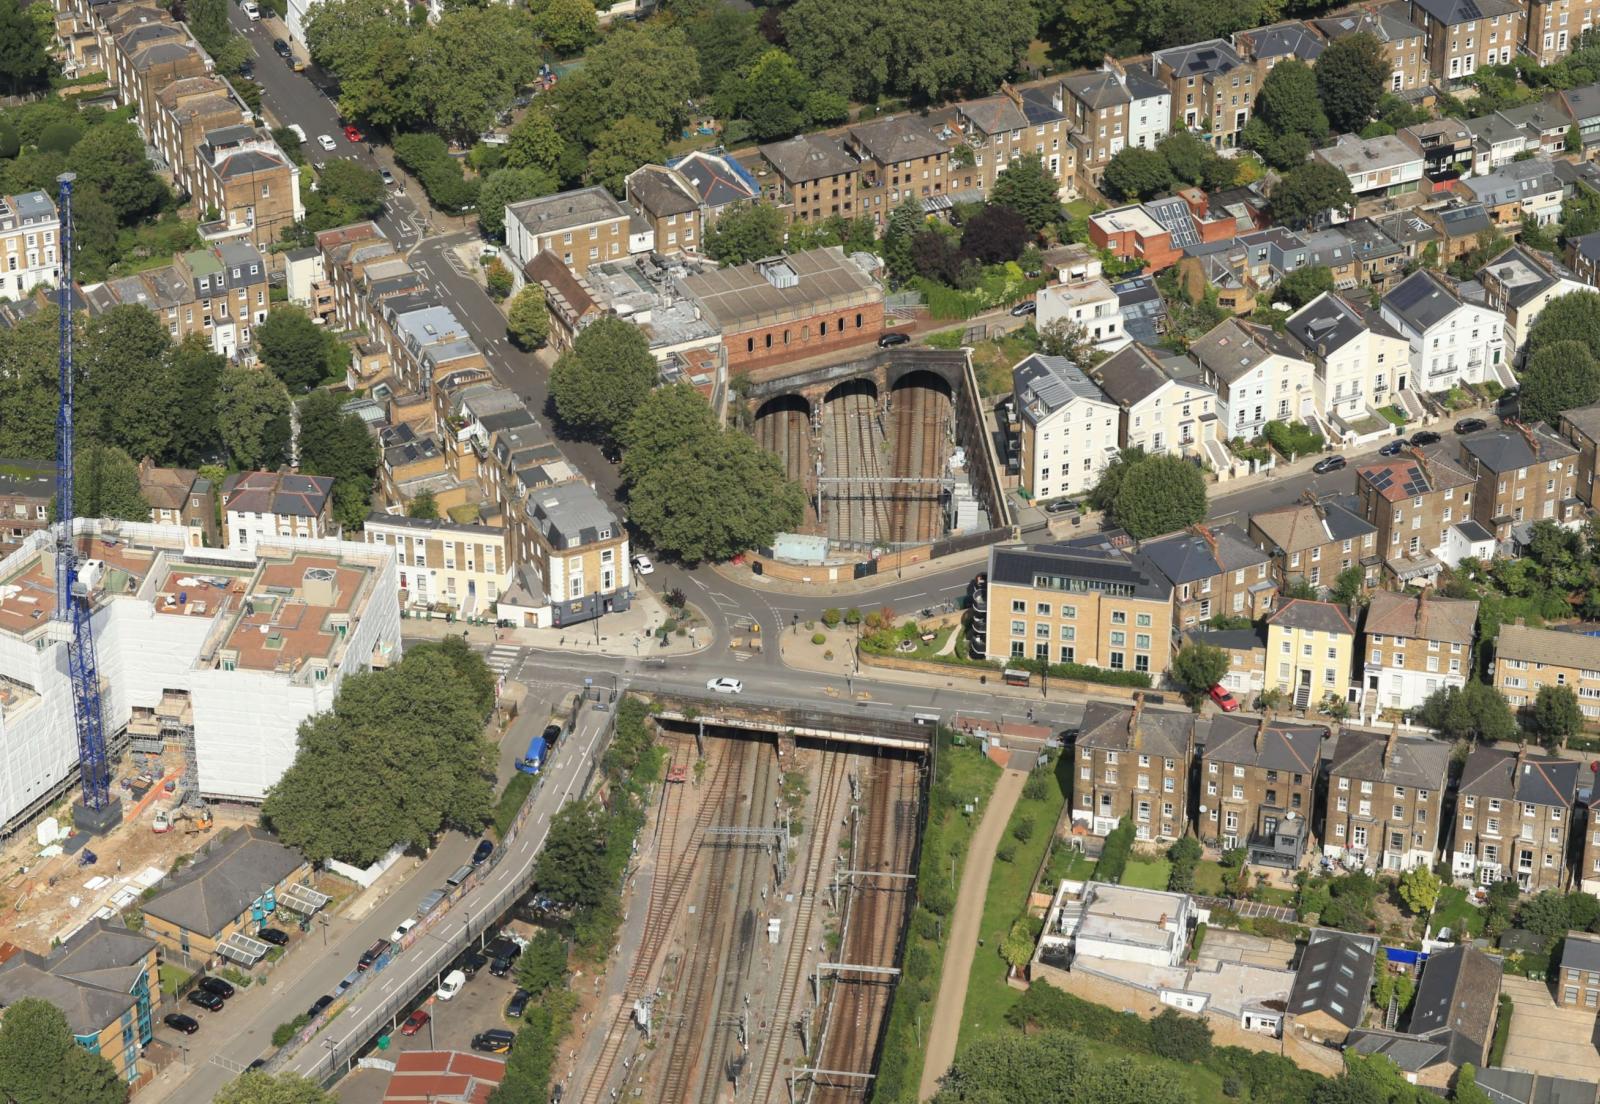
{"type": "Point", "coordinates": [1215, 571]}
{"type": "Point", "coordinates": [1257, 780]}
{"type": "Point", "coordinates": [1422, 508]}
{"type": "Point", "coordinates": [1513, 812]}
{"type": "Point", "coordinates": [1414, 645]}
{"type": "Point", "coordinates": [1384, 799]}
{"type": "Point", "coordinates": [1525, 474]}
{"type": "Point", "coordinates": [1316, 539]}
{"type": "Point", "coordinates": [1134, 763]}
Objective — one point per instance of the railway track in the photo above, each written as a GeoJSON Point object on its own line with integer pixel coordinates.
{"type": "Point", "coordinates": [812, 877]}
{"type": "Point", "coordinates": [666, 896]}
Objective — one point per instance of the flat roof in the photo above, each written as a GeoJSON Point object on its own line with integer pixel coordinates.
{"type": "Point", "coordinates": [290, 609]}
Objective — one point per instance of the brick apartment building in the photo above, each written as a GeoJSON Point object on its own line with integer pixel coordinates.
{"type": "Point", "coordinates": [1413, 501]}
{"type": "Point", "coordinates": [816, 178]}
{"type": "Point", "coordinates": [1215, 572]}
{"type": "Point", "coordinates": [1462, 36]}
{"type": "Point", "coordinates": [583, 227]}
{"type": "Point", "coordinates": [1514, 810]}
{"type": "Point", "coordinates": [28, 246]}
{"type": "Point", "coordinates": [1526, 660]}
{"type": "Point", "coordinates": [1524, 474]}
{"type": "Point", "coordinates": [1258, 781]}
{"type": "Point", "coordinates": [218, 293]}
{"type": "Point", "coordinates": [1384, 799]}
{"type": "Point", "coordinates": [1134, 763]}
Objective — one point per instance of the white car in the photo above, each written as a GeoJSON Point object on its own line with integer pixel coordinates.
{"type": "Point", "coordinates": [405, 927]}
{"type": "Point", "coordinates": [725, 686]}
{"type": "Point", "coordinates": [326, 142]}
{"type": "Point", "coordinates": [453, 981]}
{"type": "Point", "coordinates": [251, 10]}
{"type": "Point", "coordinates": [642, 564]}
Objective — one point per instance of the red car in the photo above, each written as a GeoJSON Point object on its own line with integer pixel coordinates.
{"type": "Point", "coordinates": [351, 134]}
{"type": "Point", "coordinates": [1225, 701]}
{"type": "Point", "coordinates": [414, 1022]}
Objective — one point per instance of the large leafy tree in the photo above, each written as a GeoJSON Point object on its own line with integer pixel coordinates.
{"type": "Point", "coordinates": [41, 1062]}
{"type": "Point", "coordinates": [470, 64]}
{"type": "Point", "coordinates": [24, 61]}
{"type": "Point", "coordinates": [1199, 667]}
{"type": "Point", "coordinates": [771, 95]}
{"type": "Point", "coordinates": [993, 235]}
{"type": "Point", "coordinates": [347, 192]}
{"type": "Point", "coordinates": [534, 143]}
{"type": "Point", "coordinates": [745, 233]}
{"type": "Point", "coordinates": [195, 373]}
{"type": "Point", "coordinates": [28, 385]}
{"type": "Point", "coordinates": [571, 864]}
{"type": "Point", "coordinates": [1304, 284]}
{"type": "Point", "coordinates": [1560, 376]}
{"type": "Point", "coordinates": [294, 347]}
{"type": "Point", "coordinates": [257, 1087]}
{"type": "Point", "coordinates": [671, 418]}
{"type": "Point", "coordinates": [947, 47]}
{"type": "Point", "coordinates": [1308, 191]}
{"type": "Point", "coordinates": [507, 186]}
{"type": "Point", "coordinates": [528, 320]}
{"type": "Point", "coordinates": [1160, 494]}
{"type": "Point", "coordinates": [567, 25]}
{"type": "Point", "coordinates": [1556, 716]}
{"type": "Point", "coordinates": [337, 444]}
{"type": "Point", "coordinates": [620, 148]}
{"type": "Point", "coordinates": [124, 352]}
{"type": "Point", "coordinates": [1288, 102]}
{"type": "Point", "coordinates": [543, 965]}
{"type": "Point", "coordinates": [647, 70]}
{"type": "Point", "coordinates": [110, 161]}
{"type": "Point", "coordinates": [400, 757]}
{"type": "Point", "coordinates": [597, 384]}
{"type": "Point", "coordinates": [253, 418]}
{"type": "Point", "coordinates": [105, 484]}
{"type": "Point", "coordinates": [1471, 712]}
{"type": "Point", "coordinates": [1573, 317]}
{"type": "Point", "coordinates": [1027, 187]}
{"type": "Point", "coordinates": [846, 46]}
{"type": "Point", "coordinates": [1352, 74]}
{"type": "Point", "coordinates": [726, 40]}
{"type": "Point", "coordinates": [369, 43]}
{"type": "Point", "coordinates": [1137, 173]}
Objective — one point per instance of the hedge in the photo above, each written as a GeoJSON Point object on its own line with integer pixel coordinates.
{"type": "Point", "coordinates": [1114, 854]}
{"type": "Point", "coordinates": [1502, 1030]}
{"type": "Point", "coordinates": [1292, 439]}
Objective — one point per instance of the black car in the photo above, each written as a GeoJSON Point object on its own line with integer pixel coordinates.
{"type": "Point", "coordinates": [1328, 464]}
{"type": "Point", "coordinates": [503, 953]}
{"type": "Point", "coordinates": [484, 849]}
{"type": "Point", "coordinates": [274, 936]}
{"type": "Point", "coordinates": [1393, 448]}
{"type": "Point", "coordinates": [1027, 306]}
{"type": "Point", "coordinates": [1426, 437]}
{"type": "Point", "coordinates": [316, 1009]}
{"type": "Point", "coordinates": [281, 48]}
{"type": "Point", "coordinates": [889, 340]}
{"type": "Point", "coordinates": [247, 68]}
{"type": "Point", "coordinates": [205, 999]}
{"type": "Point", "coordinates": [257, 1064]}
{"type": "Point", "coordinates": [179, 1022]}
{"type": "Point", "coordinates": [472, 963]}
{"type": "Point", "coordinates": [497, 1040]}
{"type": "Point", "coordinates": [518, 1004]}
{"type": "Point", "coordinates": [1061, 506]}
{"type": "Point", "coordinates": [217, 986]}
{"type": "Point", "coordinates": [1471, 425]}
{"type": "Point", "coordinates": [552, 733]}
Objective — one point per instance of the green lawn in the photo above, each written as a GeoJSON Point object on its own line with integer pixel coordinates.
{"type": "Point", "coordinates": [1208, 878]}
{"type": "Point", "coordinates": [988, 995]}
{"type": "Point", "coordinates": [1147, 873]}
{"type": "Point", "coordinates": [511, 799]}
{"type": "Point", "coordinates": [172, 976]}
{"type": "Point", "coordinates": [1272, 895]}
{"type": "Point", "coordinates": [1456, 912]}
{"type": "Point", "coordinates": [1392, 414]}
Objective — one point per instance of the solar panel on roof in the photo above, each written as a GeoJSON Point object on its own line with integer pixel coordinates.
{"type": "Point", "coordinates": [1382, 478]}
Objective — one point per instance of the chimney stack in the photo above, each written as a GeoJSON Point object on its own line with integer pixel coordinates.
{"type": "Point", "coordinates": [1390, 746]}
{"type": "Point", "coordinates": [1261, 730]}
{"type": "Point", "coordinates": [1135, 737]}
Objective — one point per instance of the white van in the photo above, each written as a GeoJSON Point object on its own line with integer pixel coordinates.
{"type": "Point", "coordinates": [453, 981]}
{"type": "Point", "coordinates": [298, 132]}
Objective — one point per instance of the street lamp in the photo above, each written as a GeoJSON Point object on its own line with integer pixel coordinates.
{"type": "Point", "coordinates": [331, 1046]}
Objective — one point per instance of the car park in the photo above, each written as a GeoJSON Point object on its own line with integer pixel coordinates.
{"type": "Point", "coordinates": [179, 1022]}
{"type": "Point", "coordinates": [276, 936]}
{"type": "Point", "coordinates": [497, 1040]}
{"type": "Point", "coordinates": [326, 142]}
{"type": "Point", "coordinates": [1328, 464]}
{"type": "Point", "coordinates": [518, 1004]}
{"type": "Point", "coordinates": [415, 1022]}
{"type": "Point", "coordinates": [1471, 425]}
{"type": "Point", "coordinates": [204, 999]}
{"type": "Point", "coordinates": [891, 339]}
{"type": "Point", "coordinates": [450, 986]}
{"type": "Point", "coordinates": [725, 685]}
{"type": "Point", "coordinates": [1393, 448]}
{"type": "Point", "coordinates": [399, 934]}
{"type": "Point", "coordinates": [217, 987]}
{"type": "Point", "coordinates": [642, 564]}
{"type": "Point", "coordinates": [372, 954]}
{"type": "Point", "coordinates": [1425, 437]}
{"type": "Point", "coordinates": [484, 849]}
{"type": "Point", "coordinates": [1224, 699]}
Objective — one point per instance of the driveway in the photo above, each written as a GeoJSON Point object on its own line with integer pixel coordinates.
{"type": "Point", "coordinates": [1547, 1040]}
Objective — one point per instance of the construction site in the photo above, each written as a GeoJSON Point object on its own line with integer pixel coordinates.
{"type": "Point", "coordinates": [776, 881]}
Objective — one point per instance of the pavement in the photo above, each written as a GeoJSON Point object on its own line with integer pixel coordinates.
{"type": "Point", "coordinates": [944, 1029]}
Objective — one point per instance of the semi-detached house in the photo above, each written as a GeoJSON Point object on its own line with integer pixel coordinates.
{"type": "Point", "coordinates": [1385, 799]}
{"type": "Point", "coordinates": [1415, 645]}
{"type": "Point", "coordinates": [1513, 814]}
{"type": "Point", "coordinates": [1451, 341]}
{"type": "Point", "coordinates": [1258, 375]}
{"type": "Point", "coordinates": [1520, 283]}
{"type": "Point", "coordinates": [1354, 355]}
{"type": "Point", "coordinates": [1159, 412]}
{"type": "Point", "coordinates": [1069, 427]}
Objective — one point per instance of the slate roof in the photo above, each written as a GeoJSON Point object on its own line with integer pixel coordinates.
{"type": "Point", "coordinates": [1113, 727]}
{"type": "Point", "coordinates": [1548, 646]}
{"type": "Point", "coordinates": [1422, 300]}
{"type": "Point", "coordinates": [1381, 24]}
{"type": "Point", "coordinates": [219, 886]}
{"type": "Point", "coordinates": [1418, 762]}
{"type": "Point", "coordinates": [1282, 40]}
{"type": "Point", "coordinates": [1507, 449]}
{"type": "Point", "coordinates": [1450, 12]}
{"type": "Point", "coordinates": [1303, 525]}
{"type": "Point", "coordinates": [659, 191]}
{"type": "Point", "coordinates": [1325, 325]}
{"type": "Point", "coordinates": [1583, 102]}
{"type": "Point", "coordinates": [1230, 351]}
{"type": "Point", "coordinates": [1098, 90]}
{"type": "Point", "coordinates": [1044, 384]}
{"type": "Point", "coordinates": [1286, 747]}
{"type": "Point", "coordinates": [1589, 246]}
{"type": "Point", "coordinates": [993, 114]}
{"type": "Point", "coordinates": [716, 178]}
{"type": "Point", "coordinates": [1302, 613]}
{"type": "Point", "coordinates": [1465, 220]}
{"type": "Point", "coordinates": [1513, 183]}
{"type": "Point", "coordinates": [893, 141]}
{"type": "Point", "coordinates": [1334, 977]}
{"type": "Point", "coordinates": [90, 977]}
{"type": "Point", "coordinates": [1581, 951]}
{"type": "Point", "coordinates": [1458, 995]}
{"type": "Point", "coordinates": [1523, 274]}
{"type": "Point", "coordinates": [1422, 617]}
{"type": "Point", "coordinates": [1187, 557]}
{"type": "Point", "coordinates": [1586, 419]}
{"type": "Point", "coordinates": [1130, 375]}
{"type": "Point", "coordinates": [808, 157]}
{"type": "Point", "coordinates": [1209, 58]}
{"type": "Point", "coordinates": [1533, 779]}
{"type": "Point", "coordinates": [282, 493]}
{"type": "Point", "coordinates": [1410, 1053]}
{"type": "Point", "coordinates": [1505, 1086]}
{"type": "Point", "coordinates": [1233, 640]}
{"type": "Point", "coordinates": [566, 210]}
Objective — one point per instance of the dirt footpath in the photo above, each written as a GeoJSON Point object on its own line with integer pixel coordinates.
{"type": "Point", "coordinates": [958, 955]}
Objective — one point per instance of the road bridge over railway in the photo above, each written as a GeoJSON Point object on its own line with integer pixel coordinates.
{"type": "Point", "coordinates": [872, 729]}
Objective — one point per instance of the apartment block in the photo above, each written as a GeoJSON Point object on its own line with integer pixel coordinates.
{"type": "Point", "coordinates": [219, 293]}
{"type": "Point", "coordinates": [672, 209]}
{"type": "Point", "coordinates": [1384, 799]}
{"type": "Point", "coordinates": [1513, 812]}
{"type": "Point", "coordinates": [1257, 784]}
{"type": "Point", "coordinates": [28, 244]}
{"type": "Point", "coordinates": [997, 130]}
{"type": "Point", "coordinates": [1462, 36]}
{"type": "Point", "coordinates": [466, 567]}
{"type": "Point", "coordinates": [816, 178]}
{"type": "Point", "coordinates": [1069, 427]}
{"type": "Point", "coordinates": [1316, 539]}
{"type": "Point", "coordinates": [1133, 762]}
{"type": "Point", "coordinates": [1066, 604]}
{"type": "Point", "coordinates": [1215, 572]}
{"type": "Point", "coordinates": [1213, 89]}
{"type": "Point", "coordinates": [1310, 646]}
{"type": "Point", "coordinates": [1588, 873]}
{"type": "Point", "coordinates": [1415, 645]}
{"type": "Point", "coordinates": [896, 160]}
{"type": "Point", "coordinates": [1415, 501]}
{"type": "Point", "coordinates": [583, 227]}
{"type": "Point", "coordinates": [1526, 660]}
{"type": "Point", "coordinates": [1524, 474]}
{"type": "Point", "coordinates": [1554, 27]}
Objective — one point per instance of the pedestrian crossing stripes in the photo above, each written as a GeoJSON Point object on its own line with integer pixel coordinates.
{"type": "Point", "coordinates": [503, 658]}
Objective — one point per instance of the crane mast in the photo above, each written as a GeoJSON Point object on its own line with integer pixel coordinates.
{"type": "Point", "coordinates": [95, 811]}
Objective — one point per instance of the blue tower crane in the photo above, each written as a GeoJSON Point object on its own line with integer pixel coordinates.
{"type": "Point", "coordinates": [95, 811]}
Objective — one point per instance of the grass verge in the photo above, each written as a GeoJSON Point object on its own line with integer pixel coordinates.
{"type": "Point", "coordinates": [511, 799]}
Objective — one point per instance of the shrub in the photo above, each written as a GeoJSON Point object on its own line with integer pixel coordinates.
{"type": "Point", "coordinates": [499, 279]}
{"type": "Point", "coordinates": [286, 1031]}
{"type": "Point", "coordinates": [831, 617]}
{"type": "Point", "coordinates": [819, 638]}
{"type": "Point", "coordinates": [1022, 830]}
{"type": "Point", "coordinates": [1006, 852]}
{"type": "Point", "coordinates": [1502, 1029]}
{"type": "Point", "coordinates": [1181, 1038]}
{"type": "Point", "coordinates": [1198, 941]}
{"type": "Point", "coordinates": [1114, 855]}
{"type": "Point", "coordinates": [1294, 438]}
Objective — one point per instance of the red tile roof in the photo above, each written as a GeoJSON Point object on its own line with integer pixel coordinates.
{"type": "Point", "coordinates": [443, 1077]}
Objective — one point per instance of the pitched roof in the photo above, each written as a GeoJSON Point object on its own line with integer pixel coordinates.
{"type": "Point", "coordinates": [1326, 324]}
{"type": "Point", "coordinates": [1300, 526]}
{"type": "Point", "coordinates": [1116, 727]}
{"type": "Point", "coordinates": [90, 977]}
{"type": "Point", "coordinates": [1422, 617]}
{"type": "Point", "coordinates": [1130, 375]}
{"type": "Point", "coordinates": [285, 494]}
{"type": "Point", "coordinates": [1506, 1086]}
{"type": "Point", "coordinates": [716, 178]}
{"type": "Point", "coordinates": [1281, 40]}
{"type": "Point", "coordinates": [1403, 477]}
{"type": "Point", "coordinates": [1231, 350]}
{"type": "Point", "coordinates": [1097, 90]}
{"type": "Point", "coordinates": [1303, 613]}
{"type": "Point", "coordinates": [1458, 994]}
{"type": "Point", "coordinates": [1581, 951]}
{"type": "Point", "coordinates": [1274, 745]}
{"type": "Point", "coordinates": [1508, 448]}
{"type": "Point", "coordinates": [808, 157]}
{"type": "Point", "coordinates": [1418, 762]}
{"type": "Point", "coordinates": [1189, 556]}
{"type": "Point", "coordinates": [1334, 976]}
{"type": "Point", "coordinates": [1044, 384]}
{"type": "Point", "coordinates": [1422, 300]}
{"type": "Point", "coordinates": [1534, 779]}
{"type": "Point", "coordinates": [892, 141]}
{"type": "Point", "coordinates": [659, 191]}
{"type": "Point", "coordinates": [215, 889]}
{"type": "Point", "coordinates": [1560, 649]}
{"type": "Point", "coordinates": [1450, 12]}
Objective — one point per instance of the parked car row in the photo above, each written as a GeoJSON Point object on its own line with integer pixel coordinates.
{"type": "Point", "coordinates": [210, 993]}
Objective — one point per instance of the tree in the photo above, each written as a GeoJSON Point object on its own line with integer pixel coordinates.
{"type": "Point", "coordinates": [571, 865]}
{"type": "Point", "coordinates": [294, 347]}
{"type": "Point", "coordinates": [41, 1062]}
{"type": "Point", "coordinates": [843, 45]}
{"type": "Point", "coordinates": [124, 352]}
{"type": "Point", "coordinates": [669, 419]}
{"type": "Point", "coordinates": [470, 64]}
{"type": "Point", "coordinates": [336, 444]}
{"type": "Point", "coordinates": [534, 143]}
{"type": "Point", "coordinates": [1572, 317]}
{"type": "Point", "coordinates": [528, 320]}
{"type": "Point", "coordinates": [543, 964]}
{"type": "Point", "coordinates": [24, 61]}
{"type": "Point", "coordinates": [1306, 192]}
{"type": "Point", "coordinates": [1199, 667]}
{"type": "Point", "coordinates": [598, 383]}
{"type": "Point", "coordinates": [994, 235]}
{"type": "Point", "coordinates": [1348, 585]}
{"type": "Point", "coordinates": [1352, 74]}
{"type": "Point", "coordinates": [1137, 173]}
{"type": "Point", "coordinates": [1556, 716]}
{"type": "Point", "coordinates": [424, 506]}
{"type": "Point", "coordinates": [253, 418]}
{"type": "Point", "coordinates": [257, 1087]}
{"type": "Point", "coordinates": [1186, 156]}
{"type": "Point", "coordinates": [1183, 858]}
{"type": "Point", "coordinates": [569, 26]}
{"type": "Point", "coordinates": [400, 756]}
{"type": "Point", "coordinates": [350, 190]}
{"type": "Point", "coordinates": [1053, 1067]}
{"type": "Point", "coordinates": [1546, 915]}
{"type": "Point", "coordinates": [1288, 102]}
{"type": "Point", "coordinates": [1419, 889]}
{"type": "Point", "coordinates": [1471, 712]}
{"type": "Point", "coordinates": [1104, 495]}
{"type": "Point", "coordinates": [1027, 187]}
{"type": "Point", "coordinates": [1160, 494]}
{"type": "Point", "coordinates": [647, 70]}
{"type": "Point", "coordinates": [715, 497]}
{"type": "Point", "coordinates": [208, 22]}
{"type": "Point", "coordinates": [771, 95]}
{"type": "Point", "coordinates": [196, 374]}
{"type": "Point", "coordinates": [1017, 947]}
{"type": "Point", "coordinates": [1466, 1089]}
{"type": "Point", "coordinates": [1303, 285]}
{"type": "Point", "coordinates": [622, 147]}
{"type": "Point", "coordinates": [1560, 376]}
{"type": "Point", "coordinates": [110, 161]}
{"type": "Point", "coordinates": [905, 222]}
{"type": "Point", "coordinates": [745, 232]}
{"type": "Point", "coordinates": [506, 186]}
{"type": "Point", "coordinates": [105, 484]}
{"type": "Point", "coordinates": [726, 40]}
{"type": "Point", "coordinates": [947, 47]}
{"type": "Point", "coordinates": [1181, 1038]}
